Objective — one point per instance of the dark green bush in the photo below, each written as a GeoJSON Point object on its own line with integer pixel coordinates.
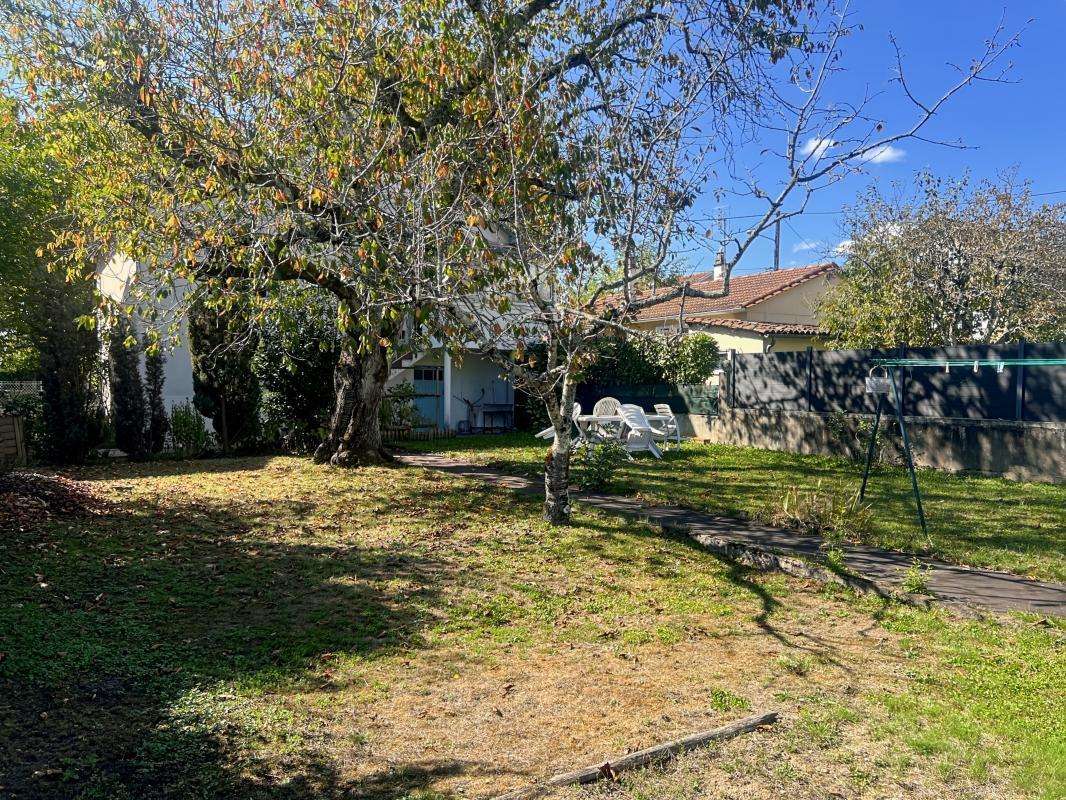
{"type": "Point", "coordinates": [188, 431]}
{"type": "Point", "coordinates": [158, 421]}
{"type": "Point", "coordinates": [294, 363]}
{"type": "Point", "coordinates": [129, 412]}
{"type": "Point", "coordinates": [224, 388]}
{"type": "Point", "coordinates": [652, 359]}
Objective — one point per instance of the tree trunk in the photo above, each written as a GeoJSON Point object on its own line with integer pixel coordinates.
{"type": "Point", "coordinates": [355, 430]}
{"type": "Point", "coordinates": [557, 463]}
{"type": "Point", "coordinates": [225, 424]}
{"type": "Point", "coordinates": [557, 481]}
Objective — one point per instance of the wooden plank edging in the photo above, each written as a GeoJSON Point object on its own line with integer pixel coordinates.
{"type": "Point", "coordinates": [642, 758]}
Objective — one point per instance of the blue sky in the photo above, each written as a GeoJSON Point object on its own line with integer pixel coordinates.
{"type": "Point", "coordinates": [1016, 125]}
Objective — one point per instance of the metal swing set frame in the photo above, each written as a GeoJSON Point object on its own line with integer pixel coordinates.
{"type": "Point", "coordinates": [879, 385]}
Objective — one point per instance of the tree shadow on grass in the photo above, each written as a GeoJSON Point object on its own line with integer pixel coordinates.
{"type": "Point", "coordinates": [742, 577]}
{"type": "Point", "coordinates": [966, 514]}
{"type": "Point", "coordinates": [121, 469]}
{"type": "Point", "coordinates": [112, 626]}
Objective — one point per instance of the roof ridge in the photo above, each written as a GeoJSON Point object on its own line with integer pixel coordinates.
{"type": "Point", "coordinates": [804, 273]}
{"type": "Point", "coordinates": [745, 291]}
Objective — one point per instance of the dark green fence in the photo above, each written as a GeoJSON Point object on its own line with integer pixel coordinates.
{"type": "Point", "coordinates": [682, 398]}
{"type": "Point", "coordinates": [828, 381]}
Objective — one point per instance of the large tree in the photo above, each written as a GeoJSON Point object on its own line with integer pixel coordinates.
{"type": "Point", "coordinates": [345, 144]}
{"type": "Point", "coordinates": [630, 141]}
{"type": "Point", "coordinates": [40, 305]}
{"type": "Point", "coordinates": [950, 263]}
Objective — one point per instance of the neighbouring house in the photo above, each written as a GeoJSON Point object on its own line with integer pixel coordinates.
{"type": "Point", "coordinates": [450, 394]}
{"type": "Point", "coordinates": [764, 311]}
{"type": "Point", "coordinates": [114, 280]}
{"type": "Point", "coordinates": [457, 395]}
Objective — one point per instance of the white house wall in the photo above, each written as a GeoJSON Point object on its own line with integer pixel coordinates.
{"type": "Point", "coordinates": [114, 281]}
{"type": "Point", "coordinates": [177, 371]}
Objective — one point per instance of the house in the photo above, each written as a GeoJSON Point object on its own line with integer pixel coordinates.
{"type": "Point", "coordinates": [114, 280]}
{"type": "Point", "coordinates": [450, 394]}
{"type": "Point", "coordinates": [764, 311]}
{"type": "Point", "coordinates": [457, 394]}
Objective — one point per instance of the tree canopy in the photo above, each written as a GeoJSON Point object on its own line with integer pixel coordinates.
{"type": "Point", "coordinates": [952, 263]}
{"type": "Point", "coordinates": [40, 301]}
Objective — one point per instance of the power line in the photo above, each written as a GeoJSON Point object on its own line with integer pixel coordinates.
{"type": "Point", "coordinates": [841, 211]}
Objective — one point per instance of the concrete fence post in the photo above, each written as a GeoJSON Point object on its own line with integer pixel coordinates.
{"type": "Point", "coordinates": [1019, 386]}
{"type": "Point", "coordinates": [733, 378]}
{"type": "Point", "coordinates": [810, 376]}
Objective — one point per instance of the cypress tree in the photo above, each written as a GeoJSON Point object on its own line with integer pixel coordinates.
{"type": "Point", "coordinates": [128, 408]}
{"type": "Point", "coordinates": [158, 422]}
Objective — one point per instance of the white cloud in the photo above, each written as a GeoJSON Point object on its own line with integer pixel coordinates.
{"type": "Point", "coordinates": [816, 146]}
{"type": "Point", "coordinates": [885, 154]}
{"type": "Point", "coordinates": [843, 248]}
{"type": "Point", "coordinates": [805, 246]}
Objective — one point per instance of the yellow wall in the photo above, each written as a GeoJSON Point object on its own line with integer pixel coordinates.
{"type": "Point", "coordinates": [796, 305]}
{"type": "Point", "coordinates": [786, 344]}
{"type": "Point", "coordinates": [741, 341]}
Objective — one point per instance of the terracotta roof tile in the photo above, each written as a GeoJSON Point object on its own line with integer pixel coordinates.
{"type": "Point", "coordinates": [744, 291]}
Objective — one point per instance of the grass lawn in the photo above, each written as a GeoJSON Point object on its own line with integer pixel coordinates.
{"type": "Point", "coordinates": [980, 522]}
{"type": "Point", "coordinates": [267, 628]}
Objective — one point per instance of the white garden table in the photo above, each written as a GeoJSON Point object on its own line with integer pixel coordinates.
{"type": "Point", "coordinates": [585, 422]}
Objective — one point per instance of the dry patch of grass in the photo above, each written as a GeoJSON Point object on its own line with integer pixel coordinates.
{"type": "Point", "coordinates": [267, 628]}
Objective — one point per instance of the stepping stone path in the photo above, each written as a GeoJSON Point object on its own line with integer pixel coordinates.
{"type": "Point", "coordinates": [960, 588]}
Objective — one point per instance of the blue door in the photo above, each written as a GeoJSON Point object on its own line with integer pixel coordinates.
{"type": "Point", "coordinates": [429, 388]}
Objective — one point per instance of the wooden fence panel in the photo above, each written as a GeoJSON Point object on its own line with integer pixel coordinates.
{"type": "Point", "coordinates": [12, 441]}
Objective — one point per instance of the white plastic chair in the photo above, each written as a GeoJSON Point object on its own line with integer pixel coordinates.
{"type": "Point", "coordinates": [607, 407]}
{"type": "Point", "coordinates": [641, 435]}
{"type": "Point", "coordinates": [549, 433]}
{"type": "Point", "coordinates": [670, 425]}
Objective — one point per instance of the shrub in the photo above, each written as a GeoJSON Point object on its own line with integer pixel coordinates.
{"type": "Point", "coordinates": [529, 412]}
{"type": "Point", "coordinates": [687, 359]}
{"type": "Point", "coordinates": [158, 423]}
{"type": "Point", "coordinates": [397, 409]}
{"type": "Point", "coordinates": [834, 517]}
{"type": "Point", "coordinates": [916, 578]}
{"type": "Point", "coordinates": [188, 431]}
{"type": "Point", "coordinates": [619, 361]}
{"type": "Point", "coordinates": [294, 364]}
{"type": "Point", "coordinates": [641, 360]}
{"type": "Point", "coordinates": [224, 388]}
{"type": "Point", "coordinates": [852, 442]}
{"type": "Point", "coordinates": [600, 464]}
{"type": "Point", "coordinates": [129, 412]}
